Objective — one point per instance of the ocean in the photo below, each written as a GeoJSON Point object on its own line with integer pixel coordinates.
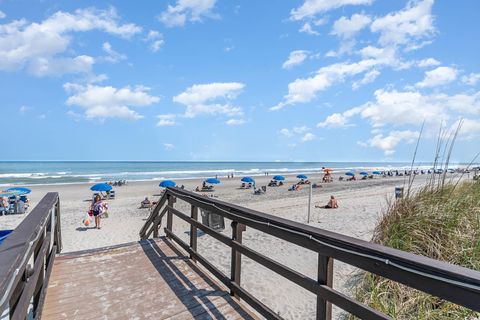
{"type": "Point", "coordinates": [64, 172]}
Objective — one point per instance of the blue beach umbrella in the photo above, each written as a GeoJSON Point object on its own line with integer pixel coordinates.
{"type": "Point", "coordinates": [302, 176]}
{"type": "Point", "coordinates": [279, 178]}
{"type": "Point", "coordinates": [11, 193]}
{"type": "Point", "coordinates": [376, 172]}
{"type": "Point", "coordinates": [364, 173]}
{"type": "Point", "coordinates": [212, 181]}
{"type": "Point", "coordinates": [248, 179]}
{"type": "Point", "coordinates": [350, 174]}
{"type": "Point", "coordinates": [167, 183]}
{"type": "Point", "coordinates": [101, 187]}
{"type": "Point", "coordinates": [21, 189]}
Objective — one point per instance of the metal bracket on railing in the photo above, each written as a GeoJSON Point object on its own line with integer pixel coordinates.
{"type": "Point", "coordinates": [29, 271]}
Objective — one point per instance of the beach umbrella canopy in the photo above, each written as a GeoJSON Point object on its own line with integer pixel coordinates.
{"type": "Point", "coordinates": [350, 174]}
{"type": "Point", "coordinates": [364, 173]}
{"type": "Point", "coordinates": [167, 183]}
{"type": "Point", "coordinates": [212, 181]}
{"type": "Point", "coordinates": [327, 170]}
{"type": "Point", "coordinates": [376, 172]}
{"type": "Point", "coordinates": [248, 179]}
{"type": "Point", "coordinates": [6, 193]}
{"type": "Point", "coordinates": [279, 178]}
{"type": "Point", "coordinates": [21, 189]}
{"type": "Point", "coordinates": [302, 176]}
{"type": "Point", "coordinates": [101, 187]}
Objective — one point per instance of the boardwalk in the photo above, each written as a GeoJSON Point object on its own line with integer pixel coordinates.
{"type": "Point", "coordinates": [147, 280]}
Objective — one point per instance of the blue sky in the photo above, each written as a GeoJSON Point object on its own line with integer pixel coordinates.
{"type": "Point", "coordinates": [311, 80]}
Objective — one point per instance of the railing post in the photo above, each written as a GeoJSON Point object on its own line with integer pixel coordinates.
{"type": "Point", "coordinates": [155, 228]}
{"type": "Point", "coordinates": [170, 202]}
{"type": "Point", "coordinates": [325, 277]}
{"type": "Point", "coordinates": [58, 228]}
{"type": "Point", "coordinates": [193, 231]}
{"type": "Point", "coordinates": [236, 263]}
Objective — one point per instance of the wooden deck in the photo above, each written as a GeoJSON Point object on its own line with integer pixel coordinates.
{"type": "Point", "coordinates": [146, 280]}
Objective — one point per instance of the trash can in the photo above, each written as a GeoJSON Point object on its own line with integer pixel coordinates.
{"type": "Point", "coordinates": [212, 220]}
{"type": "Point", "coordinates": [398, 192]}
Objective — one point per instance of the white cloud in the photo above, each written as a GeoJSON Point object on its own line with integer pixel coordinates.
{"type": "Point", "coordinates": [406, 26]}
{"type": "Point", "coordinates": [308, 137]}
{"type": "Point", "coordinates": [307, 28]}
{"type": "Point", "coordinates": [168, 146]}
{"type": "Point", "coordinates": [336, 120]}
{"type": "Point", "coordinates": [368, 78]}
{"type": "Point", "coordinates": [285, 132]}
{"type": "Point", "coordinates": [38, 47]}
{"type": "Point", "coordinates": [470, 128]}
{"type": "Point", "coordinates": [295, 58]}
{"type": "Point", "coordinates": [2, 15]}
{"type": "Point", "coordinates": [187, 10]}
{"type": "Point", "coordinates": [312, 7]}
{"type": "Point", "coordinates": [471, 79]}
{"type": "Point", "coordinates": [300, 132]}
{"type": "Point", "coordinates": [155, 39]}
{"type": "Point", "coordinates": [24, 109]}
{"type": "Point", "coordinates": [339, 120]}
{"type": "Point", "coordinates": [112, 55]}
{"type": "Point", "coordinates": [388, 143]}
{"type": "Point", "coordinates": [412, 107]}
{"type": "Point", "coordinates": [438, 77]}
{"type": "Point", "coordinates": [235, 122]}
{"type": "Point", "coordinates": [109, 102]}
{"type": "Point", "coordinates": [347, 28]}
{"type": "Point", "coordinates": [305, 90]}
{"type": "Point", "coordinates": [211, 98]}
{"type": "Point", "coordinates": [430, 62]}
{"type": "Point", "coordinates": [166, 120]}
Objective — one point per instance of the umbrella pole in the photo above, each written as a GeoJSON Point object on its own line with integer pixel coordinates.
{"type": "Point", "coordinates": [309, 203]}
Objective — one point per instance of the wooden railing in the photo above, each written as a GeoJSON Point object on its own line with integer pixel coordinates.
{"type": "Point", "coordinates": [450, 282]}
{"type": "Point", "coordinates": [26, 260]}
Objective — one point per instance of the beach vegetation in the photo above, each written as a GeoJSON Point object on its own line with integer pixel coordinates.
{"type": "Point", "coordinates": [439, 220]}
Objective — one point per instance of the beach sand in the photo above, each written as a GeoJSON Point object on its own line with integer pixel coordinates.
{"type": "Point", "coordinates": [361, 203]}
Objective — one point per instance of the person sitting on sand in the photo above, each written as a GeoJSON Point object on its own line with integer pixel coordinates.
{"type": "Point", "coordinates": [332, 204]}
{"type": "Point", "coordinates": [98, 208]}
{"type": "Point", "coordinates": [145, 203]}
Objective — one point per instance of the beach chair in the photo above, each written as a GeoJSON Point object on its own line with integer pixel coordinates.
{"type": "Point", "coordinates": [12, 205]}
{"type": "Point", "coordinates": [264, 189]}
{"type": "Point", "coordinates": [20, 207]}
{"type": "Point", "coordinates": [111, 195]}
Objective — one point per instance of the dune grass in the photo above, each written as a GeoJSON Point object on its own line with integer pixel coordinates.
{"type": "Point", "coordinates": [441, 222]}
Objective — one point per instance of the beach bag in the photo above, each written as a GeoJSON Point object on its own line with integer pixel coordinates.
{"type": "Point", "coordinates": [87, 220]}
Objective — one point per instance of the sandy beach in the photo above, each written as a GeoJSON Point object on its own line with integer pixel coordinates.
{"type": "Point", "coordinates": [361, 203]}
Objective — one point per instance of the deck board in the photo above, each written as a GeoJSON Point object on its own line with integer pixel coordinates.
{"type": "Point", "coordinates": [144, 280]}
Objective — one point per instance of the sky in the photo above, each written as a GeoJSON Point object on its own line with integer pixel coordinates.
{"type": "Point", "coordinates": [310, 80]}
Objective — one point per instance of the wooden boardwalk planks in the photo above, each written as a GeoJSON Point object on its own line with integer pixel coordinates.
{"type": "Point", "coordinates": [145, 280]}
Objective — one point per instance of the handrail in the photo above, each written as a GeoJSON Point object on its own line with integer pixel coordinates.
{"type": "Point", "coordinates": [454, 283]}
{"type": "Point", "coordinates": [152, 223]}
{"type": "Point", "coordinates": [37, 237]}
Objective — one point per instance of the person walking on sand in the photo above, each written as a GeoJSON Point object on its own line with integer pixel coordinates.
{"type": "Point", "coordinates": [98, 208]}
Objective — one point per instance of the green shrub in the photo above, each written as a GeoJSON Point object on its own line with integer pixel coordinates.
{"type": "Point", "coordinates": [441, 223]}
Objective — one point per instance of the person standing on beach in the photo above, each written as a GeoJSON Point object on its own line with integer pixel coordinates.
{"type": "Point", "coordinates": [98, 208]}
